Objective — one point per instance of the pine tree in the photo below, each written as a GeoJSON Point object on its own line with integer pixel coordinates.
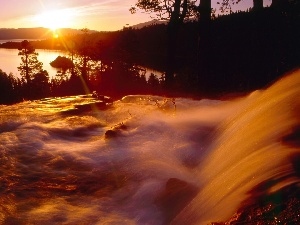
{"type": "Point", "coordinates": [30, 64]}
{"type": "Point", "coordinates": [175, 12]}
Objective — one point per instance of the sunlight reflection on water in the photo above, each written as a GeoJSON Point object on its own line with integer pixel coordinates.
{"type": "Point", "coordinates": [9, 60]}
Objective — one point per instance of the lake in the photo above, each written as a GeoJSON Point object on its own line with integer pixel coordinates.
{"type": "Point", "coordinates": [10, 60]}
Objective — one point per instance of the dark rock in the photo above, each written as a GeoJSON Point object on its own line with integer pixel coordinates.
{"type": "Point", "coordinates": [175, 197]}
{"type": "Point", "coordinates": [110, 134]}
{"type": "Point", "coordinates": [293, 139]}
{"type": "Point", "coordinates": [281, 207]}
{"type": "Point", "coordinates": [115, 130]}
{"type": "Point", "coordinates": [103, 98]}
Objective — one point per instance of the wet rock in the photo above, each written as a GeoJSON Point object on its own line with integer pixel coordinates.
{"type": "Point", "coordinates": [115, 131]}
{"type": "Point", "coordinates": [110, 134]}
{"type": "Point", "coordinates": [91, 106]}
{"type": "Point", "coordinates": [176, 195]}
{"type": "Point", "coordinates": [281, 207]}
{"type": "Point", "coordinates": [103, 98]}
{"type": "Point", "coordinates": [293, 139]}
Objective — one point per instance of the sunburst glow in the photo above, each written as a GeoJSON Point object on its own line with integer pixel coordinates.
{"type": "Point", "coordinates": [56, 19]}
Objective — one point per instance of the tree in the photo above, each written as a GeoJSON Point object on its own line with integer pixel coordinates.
{"type": "Point", "coordinates": [283, 3]}
{"type": "Point", "coordinates": [227, 4]}
{"type": "Point", "coordinates": [204, 21]}
{"type": "Point", "coordinates": [84, 58]}
{"type": "Point", "coordinates": [30, 64]}
{"type": "Point", "coordinates": [40, 85]}
{"type": "Point", "coordinates": [7, 88]}
{"type": "Point", "coordinates": [175, 11]}
{"type": "Point", "coordinates": [258, 5]}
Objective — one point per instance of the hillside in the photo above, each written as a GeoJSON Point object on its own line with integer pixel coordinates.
{"type": "Point", "coordinates": [149, 23]}
{"type": "Point", "coordinates": [33, 33]}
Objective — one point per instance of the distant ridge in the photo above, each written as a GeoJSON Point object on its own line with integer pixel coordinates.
{"type": "Point", "coordinates": [149, 23]}
{"type": "Point", "coordinates": [34, 33]}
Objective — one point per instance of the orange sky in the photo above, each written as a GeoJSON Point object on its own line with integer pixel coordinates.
{"type": "Point", "coordinates": [102, 15]}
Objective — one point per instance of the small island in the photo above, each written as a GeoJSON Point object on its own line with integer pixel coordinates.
{"type": "Point", "coordinates": [62, 62]}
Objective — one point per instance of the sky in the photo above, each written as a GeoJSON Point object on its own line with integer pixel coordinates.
{"type": "Point", "coordinates": [101, 15]}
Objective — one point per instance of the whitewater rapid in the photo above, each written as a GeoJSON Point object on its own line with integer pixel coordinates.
{"type": "Point", "coordinates": [144, 159]}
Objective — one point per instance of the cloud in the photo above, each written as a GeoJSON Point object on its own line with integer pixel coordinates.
{"type": "Point", "coordinates": [102, 8]}
{"type": "Point", "coordinates": [95, 14]}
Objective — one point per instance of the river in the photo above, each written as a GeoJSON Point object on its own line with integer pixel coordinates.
{"type": "Point", "coordinates": [178, 161]}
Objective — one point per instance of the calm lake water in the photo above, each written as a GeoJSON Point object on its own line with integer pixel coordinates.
{"type": "Point", "coordinates": [10, 60]}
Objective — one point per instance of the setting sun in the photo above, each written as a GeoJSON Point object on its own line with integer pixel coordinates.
{"type": "Point", "coordinates": [55, 34]}
{"type": "Point", "coordinates": [55, 19]}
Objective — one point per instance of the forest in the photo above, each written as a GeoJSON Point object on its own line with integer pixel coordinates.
{"type": "Point", "coordinates": [234, 53]}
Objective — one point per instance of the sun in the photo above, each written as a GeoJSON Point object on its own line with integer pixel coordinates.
{"type": "Point", "coordinates": [55, 34]}
{"type": "Point", "coordinates": [55, 19]}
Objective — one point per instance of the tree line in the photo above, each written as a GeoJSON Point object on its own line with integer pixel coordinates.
{"type": "Point", "coordinates": [285, 13]}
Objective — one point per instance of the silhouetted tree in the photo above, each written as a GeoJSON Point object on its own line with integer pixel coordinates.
{"type": "Point", "coordinates": [153, 80]}
{"type": "Point", "coordinates": [69, 44]}
{"type": "Point", "coordinates": [128, 45]}
{"type": "Point", "coordinates": [7, 88]}
{"type": "Point", "coordinates": [258, 5]}
{"type": "Point", "coordinates": [279, 3]}
{"type": "Point", "coordinates": [30, 64]}
{"type": "Point", "coordinates": [175, 11]}
{"type": "Point", "coordinates": [40, 85]}
{"type": "Point", "coordinates": [85, 61]}
{"type": "Point", "coordinates": [204, 21]}
{"type": "Point", "coordinates": [226, 5]}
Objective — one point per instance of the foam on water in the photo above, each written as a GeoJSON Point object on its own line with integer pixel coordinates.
{"type": "Point", "coordinates": [60, 166]}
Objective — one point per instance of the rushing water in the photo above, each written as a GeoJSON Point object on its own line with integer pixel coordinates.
{"type": "Point", "coordinates": [144, 159]}
{"type": "Point", "coordinates": [10, 60]}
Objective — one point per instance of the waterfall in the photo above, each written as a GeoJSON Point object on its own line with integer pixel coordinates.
{"type": "Point", "coordinates": [252, 148]}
